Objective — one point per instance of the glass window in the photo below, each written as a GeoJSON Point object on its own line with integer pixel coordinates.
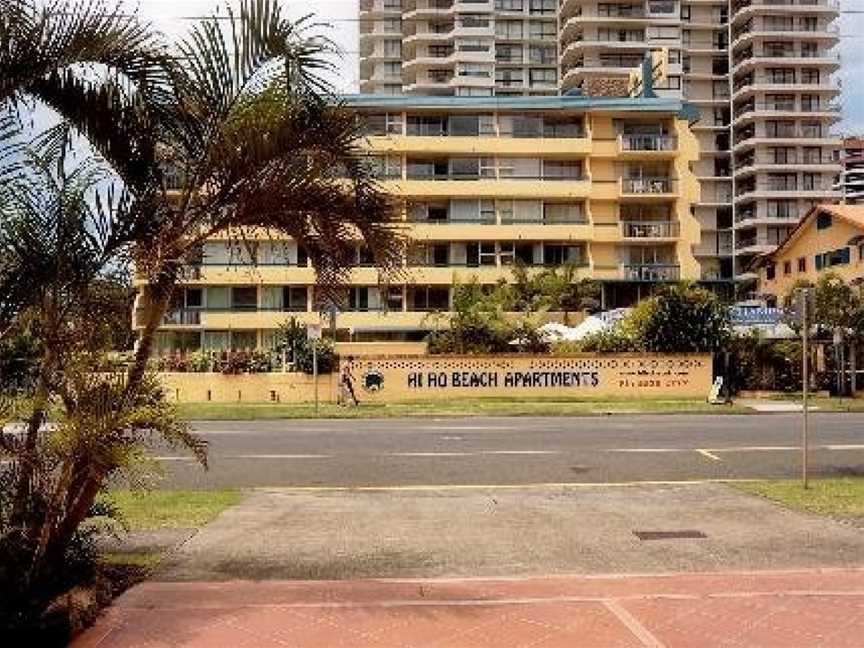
{"type": "Point", "coordinates": [294, 298]}
{"type": "Point", "coordinates": [217, 297]}
{"type": "Point", "coordinates": [244, 298]}
{"type": "Point", "coordinates": [194, 297]}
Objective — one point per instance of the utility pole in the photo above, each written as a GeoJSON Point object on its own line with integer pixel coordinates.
{"type": "Point", "coordinates": [805, 379]}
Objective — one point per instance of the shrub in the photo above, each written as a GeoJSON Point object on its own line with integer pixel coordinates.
{"type": "Point", "coordinates": [326, 356]}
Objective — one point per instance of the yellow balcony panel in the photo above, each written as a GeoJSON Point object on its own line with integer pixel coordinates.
{"type": "Point", "coordinates": [553, 146]}
{"type": "Point", "coordinates": [521, 188]}
{"type": "Point", "coordinates": [260, 274]}
{"type": "Point", "coordinates": [605, 190]}
{"type": "Point", "coordinates": [605, 148]}
{"type": "Point", "coordinates": [521, 232]}
{"type": "Point", "coordinates": [606, 233]}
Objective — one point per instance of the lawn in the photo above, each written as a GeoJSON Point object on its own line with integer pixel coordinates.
{"type": "Point", "coordinates": [154, 510]}
{"type": "Point", "coordinates": [836, 498]}
{"type": "Point", "coordinates": [462, 407]}
{"type": "Point", "coordinates": [823, 404]}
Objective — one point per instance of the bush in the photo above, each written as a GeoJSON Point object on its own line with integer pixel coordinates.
{"type": "Point", "coordinates": [326, 357]}
{"type": "Point", "coordinates": [681, 319]}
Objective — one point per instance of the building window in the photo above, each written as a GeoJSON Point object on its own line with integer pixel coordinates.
{"type": "Point", "coordinates": [769, 272]}
{"type": "Point", "coordinates": [823, 221]}
{"type": "Point", "coordinates": [802, 264]}
{"type": "Point", "coordinates": [244, 298]}
{"type": "Point", "coordinates": [787, 267]}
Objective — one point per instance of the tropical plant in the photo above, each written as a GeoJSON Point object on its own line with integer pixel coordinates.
{"type": "Point", "coordinates": [682, 318]}
{"type": "Point", "coordinates": [237, 134]}
{"type": "Point", "coordinates": [553, 289]}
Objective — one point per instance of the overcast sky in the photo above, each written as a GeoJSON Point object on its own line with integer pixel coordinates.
{"type": "Point", "coordinates": [168, 16]}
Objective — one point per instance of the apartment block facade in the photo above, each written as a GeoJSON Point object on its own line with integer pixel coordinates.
{"type": "Point", "coordinates": [852, 179]}
{"type": "Point", "coordinates": [603, 184]}
{"type": "Point", "coordinates": [459, 47]}
{"type": "Point", "coordinates": [760, 72]}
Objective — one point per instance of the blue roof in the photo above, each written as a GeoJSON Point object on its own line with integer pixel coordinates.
{"type": "Point", "coordinates": [563, 102]}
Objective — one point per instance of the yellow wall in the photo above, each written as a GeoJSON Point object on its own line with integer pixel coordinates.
{"type": "Point", "coordinates": [385, 379]}
{"type": "Point", "coordinates": [809, 241]}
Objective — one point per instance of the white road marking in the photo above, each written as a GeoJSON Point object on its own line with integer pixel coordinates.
{"type": "Point", "coordinates": [735, 449]}
{"type": "Point", "coordinates": [709, 455]}
{"type": "Point", "coordinates": [452, 438]}
{"type": "Point", "coordinates": [520, 452]}
{"type": "Point", "coordinates": [277, 456]}
{"type": "Point", "coordinates": [472, 454]}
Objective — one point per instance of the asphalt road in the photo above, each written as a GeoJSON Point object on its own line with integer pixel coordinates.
{"type": "Point", "coordinates": [517, 451]}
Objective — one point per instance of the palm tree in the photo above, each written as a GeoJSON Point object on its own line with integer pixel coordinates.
{"type": "Point", "coordinates": [233, 130]}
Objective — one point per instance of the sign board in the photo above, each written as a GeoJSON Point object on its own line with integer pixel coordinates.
{"type": "Point", "coordinates": [749, 316]}
{"type": "Point", "coordinates": [398, 378]}
{"type": "Point", "coordinates": [313, 331]}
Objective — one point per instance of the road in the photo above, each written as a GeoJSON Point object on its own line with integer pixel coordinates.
{"type": "Point", "coordinates": [514, 451]}
{"type": "Point", "coordinates": [518, 451]}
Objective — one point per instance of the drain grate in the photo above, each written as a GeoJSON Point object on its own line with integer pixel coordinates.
{"type": "Point", "coordinates": [687, 534]}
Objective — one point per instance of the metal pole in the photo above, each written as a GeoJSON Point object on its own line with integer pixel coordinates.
{"type": "Point", "coordinates": [805, 379]}
{"type": "Point", "coordinates": [315, 371]}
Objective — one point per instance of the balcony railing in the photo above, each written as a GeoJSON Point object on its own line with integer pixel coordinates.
{"type": "Point", "coordinates": [646, 185]}
{"type": "Point", "coordinates": [649, 229]}
{"type": "Point", "coordinates": [443, 177]}
{"type": "Point", "coordinates": [647, 143]}
{"type": "Point", "coordinates": [182, 317]}
{"type": "Point", "coordinates": [650, 272]}
{"type": "Point", "coordinates": [482, 219]}
{"type": "Point", "coordinates": [738, 5]}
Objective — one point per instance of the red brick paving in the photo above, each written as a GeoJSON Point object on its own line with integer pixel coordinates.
{"type": "Point", "coordinates": [791, 609]}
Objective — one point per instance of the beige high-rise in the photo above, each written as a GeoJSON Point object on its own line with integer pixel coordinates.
{"type": "Point", "coordinates": [782, 57]}
{"type": "Point", "coordinates": [459, 47]}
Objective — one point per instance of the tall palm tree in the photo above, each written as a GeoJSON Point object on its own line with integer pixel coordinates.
{"type": "Point", "coordinates": [232, 130]}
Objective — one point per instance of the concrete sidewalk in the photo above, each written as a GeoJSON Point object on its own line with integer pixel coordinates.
{"type": "Point", "coordinates": [794, 609]}
{"type": "Point", "coordinates": [405, 533]}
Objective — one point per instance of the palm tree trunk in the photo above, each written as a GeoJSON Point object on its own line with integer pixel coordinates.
{"type": "Point", "coordinates": [156, 299]}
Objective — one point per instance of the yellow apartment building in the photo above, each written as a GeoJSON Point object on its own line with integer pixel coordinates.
{"type": "Point", "coordinates": [603, 183]}
{"type": "Point", "coordinates": [830, 238]}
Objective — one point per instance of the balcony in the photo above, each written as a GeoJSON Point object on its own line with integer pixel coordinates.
{"type": "Point", "coordinates": [647, 186]}
{"type": "Point", "coordinates": [650, 272]}
{"type": "Point", "coordinates": [182, 317]}
{"type": "Point", "coordinates": [647, 143]}
{"type": "Point", "coordinates": [450, 219]}
{"type": "Point", "coordinates": [650, 229]}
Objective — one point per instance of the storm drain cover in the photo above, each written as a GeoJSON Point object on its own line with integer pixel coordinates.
{"type": "Point", "coordinates": [687, 534]}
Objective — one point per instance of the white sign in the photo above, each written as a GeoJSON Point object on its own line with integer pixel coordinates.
{"type": "Point", "coordinates": [313, 331]}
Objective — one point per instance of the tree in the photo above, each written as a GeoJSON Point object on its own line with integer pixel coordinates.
{"type": "Point", "coordinates": [237, 135]}
{"type": "Point", "coordinates": [51, 227]}
{"type": "Point", "coordinates": [553, 289]}
{"type": "Point", "coordinates": [682, 318]}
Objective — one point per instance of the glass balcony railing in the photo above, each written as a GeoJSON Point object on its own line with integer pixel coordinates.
{"type": "Point", "coordinates": [650, 271]}
{"type": "Point", "coordinates": [649, 229]}
{"type": "Point", "coordinates": [646, 185]}
{"type": "Point", "coordinates": [647, 143]}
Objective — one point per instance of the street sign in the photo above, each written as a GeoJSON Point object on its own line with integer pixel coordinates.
{"type": "Point", "coordinates": [313, 331]}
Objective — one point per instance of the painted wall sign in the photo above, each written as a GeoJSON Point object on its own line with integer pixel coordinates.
{"type": "Point", "coordinates": [626, 375]}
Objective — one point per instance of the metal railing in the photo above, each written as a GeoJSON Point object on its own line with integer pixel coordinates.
{"type": "Point", "coordinates": [182, 317]}
{"type": "Point", "coordinates": [646, 185]}
{"type": "Point", "coordinates": [649, 229]}
{"type": "Point", "coordinates": [483, 219]}
{"type": "Point", "coordinates": [650, 271]}
{"type": "Point", "coordinates": [647, 142]}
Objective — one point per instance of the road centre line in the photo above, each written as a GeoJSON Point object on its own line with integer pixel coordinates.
{"type": "Point", "coordinates": [709, 455]}
{"type": "Point", "coordinates": [736, 449]}
{"type": "Point", "coordinates": [386, 454]}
